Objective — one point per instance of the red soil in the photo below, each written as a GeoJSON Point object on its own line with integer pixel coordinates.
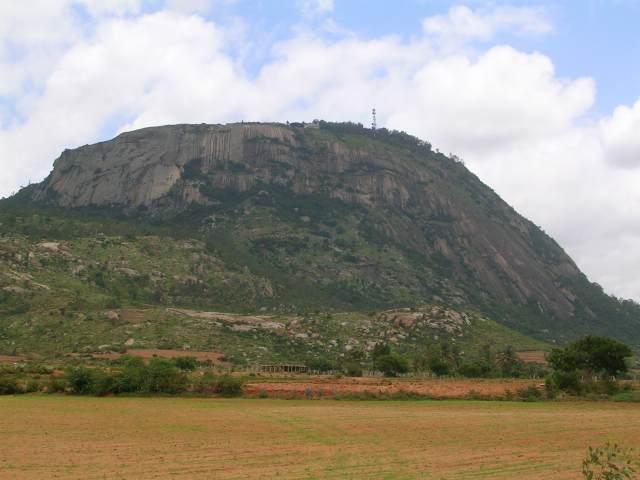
{"type": "Point", "coordinates": [436, 388]}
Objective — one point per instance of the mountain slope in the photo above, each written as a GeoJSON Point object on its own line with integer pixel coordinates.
{"type": "Point", "coordinates": [329, 217]}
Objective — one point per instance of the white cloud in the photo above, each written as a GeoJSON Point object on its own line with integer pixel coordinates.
{"type": "Point", "coordinates": [196, 6]}
{"type": "Point", "coordinates": [503, 97]}
{"type": "Point", "coordinates": [462, 23]}
{"type": "Point", "coordinates": [159, 68]}
{"type": "Point", "coordinates": [312, 8]}
{"type": "Point", "coordinates": [100, 8]}
{"type": "Point", "coordinates": [621, 136]}
{"type": "Point", "coordinates": [523, 129]}
{"type": "Point", "coordinates": [31, 41]}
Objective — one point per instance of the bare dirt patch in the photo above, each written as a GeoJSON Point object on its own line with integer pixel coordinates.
{"type": "Point", "coordinates": [132, 315]}
{"type": "Point", "coordinates": [533, 356]}
{"type": "Point", "coordinates": [435, 388]}
{"type": "Point", "coordinates": [10, 358]}
{"type": "Point", "coordinates": [155, 352]}
{"type": "Point", "coordinates": [148, 353]}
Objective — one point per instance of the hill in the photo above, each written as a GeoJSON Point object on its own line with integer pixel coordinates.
{"type": "Point", "coordinates": [291, 222]}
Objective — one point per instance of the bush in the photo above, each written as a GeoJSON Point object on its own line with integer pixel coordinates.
{"type": "Point", "coordinates": [32, 386]}
{"type": "Point", "coordinates": [391, 365]}
{"type": "Point", "coordinates": [352, 369]}
{"type": "Point", "coordinates": [104, 383]}
{"type": "Point", "coordinates": [474, 370]}
{"type": "Point", "coordinates": [438, 366]}
{"type": "Point", "coordinates": [56, 385]}
{"type": "Point", "coordinates": [609, 462]}
{"type": "Point", "coordinates": [627, 396]}
{"type": "Point", "coordinates": [80, 380]}
{"type": "Point", "coordinates": [229, 386]}
{"type": "Point", "coordinates": [9, 386]}
{"type": "Point", "coordinates": [567, 381]}
{"type": "Point", "coordinates": [163, 377]}
{"type": "Point", "coordinates": [132, 377]}
{"type": "Point", "coordinates": [380, 350]}
{"type": "Point", "coordinates": [185, 363]}
{"type": "Point", "coordinates": [530, 394]}
{"type": "Point", "coordinates": [602, 386]}
{"type": "Point", "coordinates": [321, 365]}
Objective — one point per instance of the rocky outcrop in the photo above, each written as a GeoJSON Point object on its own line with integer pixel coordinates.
{"type": "Point", "coordinates": [414, 197]}
{"type": "Point", "coordinates": [141, 168]}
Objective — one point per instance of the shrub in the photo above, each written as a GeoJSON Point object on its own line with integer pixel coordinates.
{"type": "Point", "coordinates": [206, 384]}
{"type": "Point", "coordinates": [391, 365]}
{"type": "Point", "coordinates": [80, 380]}
{"type": "Point", "coordinates": [104, 383]}
{"type": "Point", "coordinates": [353, 369]}
{"type": "Point", "coordinates": [609, 462]}
{"type": "Point", "coordinates": [163, 377]}
{"type": "Point", "coordinates": [229, 386]}
{"type": "Point", "coordinates": [474, 370]}
{"type": "Point", "coordinates": [438, 366]}
{"type": "Point", "coordinates": [9, 386]}
{"type": "Point", "coordinates": [56, 385]}
{"type": "Point", "coordinates": [185, 363]}
{"type": "Point", "coordinates": [627, 396]}
{"type": "Point", "coordinates": [32, 386]}
{"type": "Point", "coordinates": [530, 394]}
{"type": "Point", "coordinates": [380, 350]}
{"type": "Point", "coordinates": [509, 364]}
{"type": "Point", "coordinates": [322, 365]}
{"type": "Point", "coordinates": [132, 377]}
{"type": "Point", "coordinates": [602, 386]}
{"type": "Point", "coordinates": [567, 381]}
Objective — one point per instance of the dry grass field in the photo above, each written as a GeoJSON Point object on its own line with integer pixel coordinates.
{"type": "Point", "coordinates": [184, 438]}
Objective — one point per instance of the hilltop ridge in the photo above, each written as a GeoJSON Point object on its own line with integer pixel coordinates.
{"type": "Point", "coordinates": [331, 217]}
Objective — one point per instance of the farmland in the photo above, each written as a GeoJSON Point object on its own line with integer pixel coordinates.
{"type": "Point", "coordinates": [143, 438]}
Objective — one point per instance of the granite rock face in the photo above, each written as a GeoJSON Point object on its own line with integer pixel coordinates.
{"type": "Point", "coordinates": [419, 199]}
{"type": "Point", "coordinates": [140, 168]}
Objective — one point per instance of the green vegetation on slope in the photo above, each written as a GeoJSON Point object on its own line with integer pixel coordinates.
{"type": "Point", "coordinates": [268, 250]}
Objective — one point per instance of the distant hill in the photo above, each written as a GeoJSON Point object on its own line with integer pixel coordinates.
{"type": "Point", "coordinates": [285, 220]}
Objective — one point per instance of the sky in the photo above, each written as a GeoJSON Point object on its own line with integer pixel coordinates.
{"type": "Point", "coordinates": [540, 99]}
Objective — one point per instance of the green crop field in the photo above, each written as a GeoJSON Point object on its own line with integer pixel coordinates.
{"type": "Point", "coordinates": [139, 438]}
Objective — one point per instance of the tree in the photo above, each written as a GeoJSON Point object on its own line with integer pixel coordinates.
{"type": "Point", "coordinates": [379, 350]}
{"type": "Point", "coordinates": [594, 355]}
{"type": "Point", "coordinates": [509, 363]}
{"type": "Point", "coordinates": [391, 364]}
{"type": "Point", "coordinates": [352, 368]}
{"type": "Point", "coordinates": [438, 366]}
{"type": "Point", "coordinates": [589, 356]}
{"type": "Point", "coordinates": [133, 374]}
{"type": "Point", "coordinates": [164, 377]}
{"type": "Point", "coordinates": [321, 364]}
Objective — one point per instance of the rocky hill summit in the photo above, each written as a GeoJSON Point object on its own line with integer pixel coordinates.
{"type": "Point", "coordinates": [328, 215]}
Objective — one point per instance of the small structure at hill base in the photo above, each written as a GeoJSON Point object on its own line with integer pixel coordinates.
{"type": "Point", "coordinates": [283, 368]}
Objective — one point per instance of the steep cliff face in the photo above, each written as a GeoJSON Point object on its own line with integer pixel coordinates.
{"type": "Point", "coordinates": [140, 168]}
{"type": "Point", "coordinates": [411, 223]}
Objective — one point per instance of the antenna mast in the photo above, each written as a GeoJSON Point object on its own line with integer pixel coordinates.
{"type": "Point", "coordinates": [373, 123]}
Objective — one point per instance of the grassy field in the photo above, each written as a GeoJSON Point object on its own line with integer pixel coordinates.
{"type": "Point", "coordinates": [144, 438]}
